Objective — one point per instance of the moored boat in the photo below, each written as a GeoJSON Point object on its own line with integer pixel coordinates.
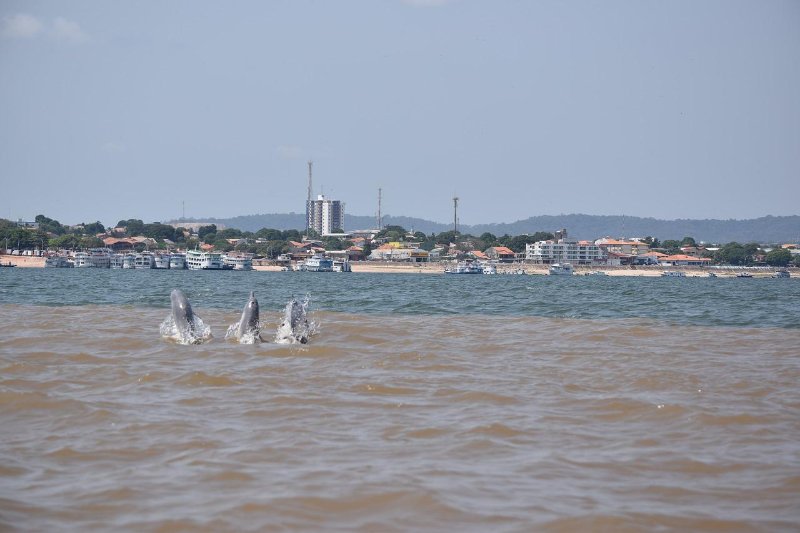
{"type": "Point", "coordinates": [202, 260]}
{"type": "Point", "coordinates": [318, 263]}
{"type": "Point", "coordinates": [560, 269]}
{"type": "Point", "coordinates": [238, 261]}
{"type": "Point", "coordinates": [782, 274]}
{"type": "Point", "coordinates": [464, 267]}
{"type": "Point", "coordinates": [177, 261]}
{"type": "Point", "coordinates": [342, 266]}
{"type": "Point", "coordinates": [673, 274]}
{"type": "Point", "coordinates": [161, 261]}
{"type": "Point", "coordinates": [144, 260]}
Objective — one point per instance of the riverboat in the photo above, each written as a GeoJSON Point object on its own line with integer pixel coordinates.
{"type": "Point", "coordinates": [129, 261]}
{"type": "Point", "coordinates": [161, 261]}
{"type": "Point", "coordinates": [144, 260]}
{"type": "Point", "coordinates": [489, 269]}
{"type": "Point", "coordinates": [81, 260]}
{"type": "Point", "coordinates": [238, 261]}
{"type": "Point", "coordinates": [560, 269]}
{"type": "Point", "coordinates": [464, 267]}
{"type": "Point", "coordinates": [177, 261]}
{"type": "Point", "coordinates": [782, 274]}
{"type": "Point", "coordinates": [117, 260]}
{"type": "Point", "coordinates": [318, 263]}
{"type": "Point", "coordinates": [201, 260]}
{"type": "Point", "coordinates": [673, 274]}
{"type": "Point", "coordinates": [57, 261]}
{"type": "Point", "coordinates": [342, 266]}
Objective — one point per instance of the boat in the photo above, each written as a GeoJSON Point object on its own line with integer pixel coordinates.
{"type": "Point", "coordinates": [129, 261]}
{"type": "Point", "coordinates": [318, 263]}
{"type": "Point", "coordinates": [161, 261]}
{"type": "Point", "coordinates": [201, 260]}
{"type": "Point", "coordinates": [712, 275]}
{"type": "Point", "coordinates": [177, 261]}
{"type": "Point", "coordinates": [560, 269]}
{"type": "Point", "coordinates": [57, 261]}
{"type": "Point", "coordinates": [673, 274]}
{"type": "Point", "coordinates": [342, 266]}
{"type": "Point", "coordinates": [744, 275]}
{"type": "Point", "coordinates": [596, 273]}
{"type": "Point", "coordinates": [238, 261]}
{"type": "Point", "coordinates": [81, 260]}
{"type": "Point", "coordinates": [8, 265]}
{"type": "Point", "coordinates": [464, 267]}
{"type": "Point", "coordinates": [100, 257]}
{"type": "Point", "coordinates": [117, 260]}
{"type": "Point", "coordinates": [781, 274]}
{"type": "Point", "coordinates": [144, 260]}
{"type": "Point", "coordinates": [489, 269]}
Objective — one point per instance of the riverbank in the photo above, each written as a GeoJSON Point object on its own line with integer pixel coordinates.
{"type": "Point", "coordinates": [371, 267]}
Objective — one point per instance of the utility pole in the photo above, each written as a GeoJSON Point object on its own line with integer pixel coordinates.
{"type": "Point", "coordinates": [308, 202]}
{"type": "Point", "coordinates": [379, 208]}
{"type": "Point", "coordinates": [455, 216]}
{"type": "Point", "coordinates": [183, 209]}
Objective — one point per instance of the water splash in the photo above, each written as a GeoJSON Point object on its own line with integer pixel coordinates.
{"type": "Point", "coordinates": [295, 327]}
{"type": "Point", "coordinates": [252, 336]}
{"type": "Point", "coordinates": [195, 332]}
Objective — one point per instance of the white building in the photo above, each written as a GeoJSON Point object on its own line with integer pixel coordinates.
{"type": "Point", "coordinates": [563, 251]}
{"type": "Point", "coordinates": [324, 216]}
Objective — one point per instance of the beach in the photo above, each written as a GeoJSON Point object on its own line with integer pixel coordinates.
{"type": "Point", "coordinates": [397, 267]}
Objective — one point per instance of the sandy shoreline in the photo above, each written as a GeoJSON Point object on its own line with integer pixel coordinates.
{"type": "Point", "coordinates": [438, 268]}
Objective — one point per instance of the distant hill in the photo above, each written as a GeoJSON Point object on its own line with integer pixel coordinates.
{"type": "Point", "coordinates": [768, 229]}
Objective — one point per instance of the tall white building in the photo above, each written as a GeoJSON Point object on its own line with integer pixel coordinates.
{"type": "Point", "coordinates": [324, 215]}
{"type": "Point", "coordinates": [563, 251]}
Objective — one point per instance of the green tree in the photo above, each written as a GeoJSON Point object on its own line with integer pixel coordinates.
{"type": "Point", "coordinates": [93, 228]}
{"type": "Point", "coordinates": [488, 239]}
{"type": "Point", "coordinates": [671, 246]}
{"type": "Point", "coordinates": [65, 242]}
{"type": "Point", "coordinates": [202, 231]}
{"type": "Point", "coordinates": [732, 253]}
{"type": "Point", "coordinates": [292, 235]}
{"type": "Point", "coordinates": [133, 226]}
{"type": "Point", "coordinates": [688, 241]}
{"type": "Point", "coordinates": [779, 257]}
{"type": "Point", "coordinates": [209, 238]}
{"type": "Point", "coordinates": [49, 225]}
{"type": "Point", "coordinates": [269, 234]}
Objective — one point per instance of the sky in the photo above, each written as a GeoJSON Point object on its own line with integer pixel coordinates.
{"type": "Point", "coordinates": [152, 110]}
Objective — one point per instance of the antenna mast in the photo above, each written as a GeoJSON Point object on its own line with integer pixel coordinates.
{"type": "Point", "coordinates": [379, 208]}
{"type": "Point", "coordinates": [455, 215]}
{"type": "Point", "coordinates": [309, 211]}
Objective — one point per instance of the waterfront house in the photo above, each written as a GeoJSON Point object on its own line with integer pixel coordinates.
{"type": "Point", "coordinates": [633, 248]}
{"type": "Point", "coordinates": [684, 260]}
{"type": "Point", "coordinates": [500, 253]}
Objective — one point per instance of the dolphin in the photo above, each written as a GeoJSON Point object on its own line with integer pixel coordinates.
{"type": "Point", "coordinates": [295, 325]}
{"type": "Point", "coordinates": [182, 324]}
{"type": "Point", "coordinates": [182, 313]}
{"type": "Point", "coordinates": [248, 326]}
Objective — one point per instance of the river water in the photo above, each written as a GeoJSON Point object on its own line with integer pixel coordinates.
{"type": "Point", "coordinates": [423, 402]}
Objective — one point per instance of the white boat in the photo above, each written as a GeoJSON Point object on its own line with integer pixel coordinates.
{"type": "Point", "coordinates": [81, 260]}
{"type": "Point", "coordinates": [712, 275]}
{"type": "Point", "coordinates": [117, 260]}
{"type": "Point", "coordinates": [100, 257]}
{"type": "Point", "coordinates": [318, 263]}
{"type": "Point", "coordinates": [464, 267]}
{"type": "Point", "coordinates": [744, 275]}
{"type": "Point", "coordinates": [238, 261]}
{"type": "Point", "coordinates": [673, 274]}
{"type": "Point", "coordinates": [342, 266]}
{"type": "Point", "coordinates": [57, 261]}
{"type": "Point", "coordinates": [177, 261]}
{"type": "Point", "coordinates": [161, 261]}
{"type": "Point", "coordinates": [144, 260]}
{"type": "Point", "coordinates": [489, 269]}
{"type": "Point", "coordinates": [129, 261]}
{"type": "Point", "coordinates": [596, 273]}
{"type": "Point", "coordinates": [201, 260]}
{"type": "Point", "coordinates": [782, 274]}
{"type": "Point", "coordinates": [560, 269]}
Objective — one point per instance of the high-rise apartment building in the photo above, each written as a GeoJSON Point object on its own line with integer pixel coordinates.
{"type": "Point", "coordinates": [324, 215]}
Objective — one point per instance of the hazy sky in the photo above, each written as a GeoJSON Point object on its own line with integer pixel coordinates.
{"type": "Point", "coordinates": [670, 109]}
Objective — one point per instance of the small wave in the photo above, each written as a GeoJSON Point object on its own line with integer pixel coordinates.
{"type": "Point", "coordinates": [251, 337]}
{"type": "Point", "coordinates": [202, 379]}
